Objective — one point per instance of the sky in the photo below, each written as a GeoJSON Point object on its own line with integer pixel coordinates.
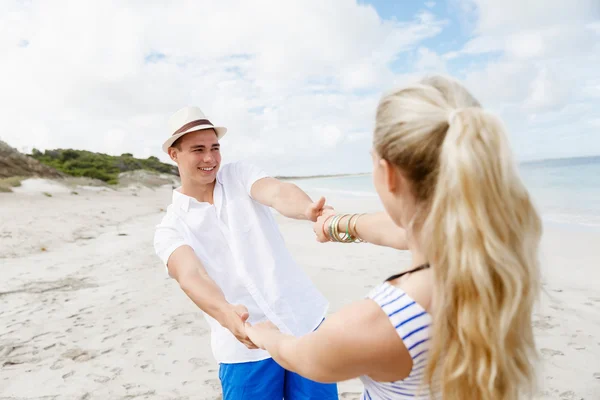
{"type": "Point", "coordinates": [296, 82]}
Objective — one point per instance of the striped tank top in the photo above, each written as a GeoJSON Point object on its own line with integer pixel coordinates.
{"type": "Point", "coordinates": [412, 323]}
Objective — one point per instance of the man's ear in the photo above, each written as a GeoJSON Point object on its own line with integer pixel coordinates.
{"type": "Point", "coordinates": [173, 153]}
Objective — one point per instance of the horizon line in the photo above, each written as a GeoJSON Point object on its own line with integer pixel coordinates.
{"type": "Point", "coordinates": [528, 162]}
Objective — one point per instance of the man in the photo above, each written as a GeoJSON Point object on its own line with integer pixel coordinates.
{"type": "Point", "coordinates": [221, 243]}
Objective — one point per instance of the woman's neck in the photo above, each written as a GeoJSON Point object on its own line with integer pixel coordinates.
{"type": "Point", "coordinates": [417, 255]}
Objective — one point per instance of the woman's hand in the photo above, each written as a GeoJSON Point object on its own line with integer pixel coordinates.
{"type": "Point", "coordinates": [260, 333]}
{"type": "Point", "coordinates": [319, 227]}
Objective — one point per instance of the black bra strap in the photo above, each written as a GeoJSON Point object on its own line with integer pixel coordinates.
{"type": "Point", "coordinates": [419, 268]}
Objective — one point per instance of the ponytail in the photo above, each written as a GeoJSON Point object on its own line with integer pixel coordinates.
{"type": "Point", "coordinates": [481, 235]}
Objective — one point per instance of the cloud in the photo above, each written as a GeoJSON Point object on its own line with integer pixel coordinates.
{"type": "Point", "coordinates": [430, 61]}
{"type": "Point", "coordinates": [546, 92]}
{"type": "Point", "coordinates": [537, 60]}
{"type": "Point", "coordinates": [285, 77]}
{"type": "Point", "coordinates": [295, 82]}
{"type": "Point", "coordinates": [506, 16]}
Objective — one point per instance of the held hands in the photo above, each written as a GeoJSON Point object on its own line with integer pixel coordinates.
{"type": "Point", "coordinates": [316, 209]}
{"type": "Point", "coordinates": [253, 337]}
{"type": "Point", "coordinates": [260, 332]}
{"type": "Point", "coordinates": [235, 318]}
{"type": "Point", "coordinates": [319, 227]}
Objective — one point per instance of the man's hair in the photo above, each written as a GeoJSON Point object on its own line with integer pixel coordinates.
{"type": "Point", "coordinates": [177, 143]}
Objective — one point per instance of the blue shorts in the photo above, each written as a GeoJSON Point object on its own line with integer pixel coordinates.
{"type": "Point", "coordinates": [267, 380]}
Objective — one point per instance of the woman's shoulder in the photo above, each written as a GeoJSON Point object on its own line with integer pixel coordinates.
{"type": "Point", "coordinates": [418, 286]}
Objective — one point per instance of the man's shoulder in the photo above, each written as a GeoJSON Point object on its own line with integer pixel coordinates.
{"type": "Point", "coordinates": [240, 175]}
{"type": "Point", "coordinates": [233, 170]}
{"type": "Point", "coordinates": [169, 219]}
{"type": "Point", "coordinates": [244, 168]}
{"type": "Point", "coordinates": [227, 168]}
{"type": "Point", "coordinates": [234, 167]}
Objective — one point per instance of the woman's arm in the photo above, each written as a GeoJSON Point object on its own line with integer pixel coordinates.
{"type": "Point", "coordinates": [376, 228]}
{"type": "Point", "coordinates": [357, 340]}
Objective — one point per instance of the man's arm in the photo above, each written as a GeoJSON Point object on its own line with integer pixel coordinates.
{"type": "Point", "coordinates": [287, 198]}
{"type": "Point", "coordinates": [185, 267]}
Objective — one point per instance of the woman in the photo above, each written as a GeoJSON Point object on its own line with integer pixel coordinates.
{"type": "Point", "coordinates": [457, 324]}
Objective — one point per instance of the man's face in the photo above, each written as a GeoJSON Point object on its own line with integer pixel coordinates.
{"type": "Point", "coordinates": [198, 156]}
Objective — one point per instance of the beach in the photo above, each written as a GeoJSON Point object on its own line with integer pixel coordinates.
{"type": "Point", "coordinates": [88, 311]}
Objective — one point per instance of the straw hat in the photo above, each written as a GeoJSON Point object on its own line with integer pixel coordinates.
{"type": "Point", "coordinates": [186, 120]}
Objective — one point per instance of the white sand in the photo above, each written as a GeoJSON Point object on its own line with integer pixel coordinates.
{"type": "Point", "coordinates": [87, 311]}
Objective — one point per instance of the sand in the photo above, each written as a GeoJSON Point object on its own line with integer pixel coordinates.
{"type": "Point", "coordinates": [88, 312]}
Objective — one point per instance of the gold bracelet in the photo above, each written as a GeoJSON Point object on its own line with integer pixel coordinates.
{"type": "Point", "coordinates": [358, 238]}
{"type": "Point", "coordinates": [336, 228]}
{"type": "Point", "coordinates": [332, 228]}
{"type": "Point", "coordinates": [326, 230]}
{"type": "Point", "coordinates": [349, 237]}
{"type": "Point", "coordinates": [350, 230]}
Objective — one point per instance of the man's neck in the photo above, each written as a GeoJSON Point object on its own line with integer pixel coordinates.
{"type": "Point", "coordinates": [202, 193]}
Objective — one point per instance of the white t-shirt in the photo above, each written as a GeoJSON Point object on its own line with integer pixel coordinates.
{"type": "Point", "coordinates": [240, 246]}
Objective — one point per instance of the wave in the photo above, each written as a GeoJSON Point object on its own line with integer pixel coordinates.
{"type": "Point", "coordinates": [355, 193]}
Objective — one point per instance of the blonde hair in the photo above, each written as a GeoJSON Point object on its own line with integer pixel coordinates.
{"type": "Point", "coordinates": [478, 229]}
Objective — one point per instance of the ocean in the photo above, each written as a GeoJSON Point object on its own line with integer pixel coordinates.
{"type": "Point", "coordinates": [566, 191]}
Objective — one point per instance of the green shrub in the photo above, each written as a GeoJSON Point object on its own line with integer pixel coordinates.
{"type": "Point", "coordinates": [98, 165]}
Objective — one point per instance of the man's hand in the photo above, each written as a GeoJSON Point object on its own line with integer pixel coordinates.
{"type": "Point", "coordinates": [234, 319]}
{"type": "Point", "coordinates": [316, 209]}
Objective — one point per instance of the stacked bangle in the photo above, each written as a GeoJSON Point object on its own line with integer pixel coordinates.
{"type": "Point", "coordinates": [358, 239]}
{"type": "Point", "coordinates": [349, 235]}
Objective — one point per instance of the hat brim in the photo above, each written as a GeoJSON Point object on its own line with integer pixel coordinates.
{"type": "Point", "coordinates": [221, 131]}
